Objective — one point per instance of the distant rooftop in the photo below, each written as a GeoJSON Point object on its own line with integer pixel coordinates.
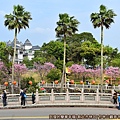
{"type": "Point", "coordinates": [35, 47]}
{"type": "Point", "coordinates": [27, 43]}
{"type": "Point", "coordinates": [20, 44]}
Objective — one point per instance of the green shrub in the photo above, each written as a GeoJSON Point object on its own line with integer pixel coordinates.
{"type": "Point", "coordinates": [25, 84]}
{"type": "Point", "coordinates": [54, 74]}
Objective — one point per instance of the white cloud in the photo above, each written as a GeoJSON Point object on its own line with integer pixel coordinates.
{"type": "Point", "coordinates": [41, 30]}
{"type": "Point", "coordinates": [2, 13]}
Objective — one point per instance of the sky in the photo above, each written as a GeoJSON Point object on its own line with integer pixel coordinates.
{"type": "Point", "coordinates": [45, 14]}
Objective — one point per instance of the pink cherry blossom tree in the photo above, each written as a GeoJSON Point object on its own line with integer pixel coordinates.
{"type": "Point", "coordinates": [112, 72]}
{"type": "Point", "coordinates": [4, 76]}
{"type": "Point", "coordinates": [19, 69]}
{"type": "Point", "coordinates": [77, 70]}
{"type": "Point", "coordinates": [43, 69]}
{"type": "Point", "coordinates": [87, 73]}
{"type": "Point", "coordinates": [96, 73]}
{"type": "Point", "coordinates": [80, 70]}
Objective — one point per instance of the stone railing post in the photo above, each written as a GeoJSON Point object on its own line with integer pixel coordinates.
{"type": "Point", "coordinates": [112, 92]}
{"type": "Point", "coordinates": [106, 86]}
{"type": "Point", "coordinates": [83, 86]}
{"type": "Point", "coordinates": [90, 85]}
{"type": "Point", "coordinates": [67, 84]}
{"type": "Point", "coordinates": [97, 96]}
{"type": "Point", "coordinates": [67, 96]}
{"type": "Point", "coordinates": [20, 99]}
{"type": "Point", "coordinates": [82, 95]}
{"type": "Point", "coordinates": [114, 87]}
{"type": "Point", "coordinates": [119, 87]}
{"type": "Point", "coordinates": [98, 86]}
{"type": "Point", "coordinates": [37, 96]}
{"type": "Point", "coordinates": [52, 95]}
{"type": "Point", "coordinates": [60, 85]}
{"type": "Point", "coordinates": [53, 84]}
{"type": "Point", "coordinates": [39, 84]}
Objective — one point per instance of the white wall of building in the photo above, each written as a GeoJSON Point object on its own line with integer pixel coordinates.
{"type": "Point", "coordinates": [27, 47]}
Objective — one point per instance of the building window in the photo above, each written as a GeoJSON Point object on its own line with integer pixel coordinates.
{"type": "Point", "coordinates": [30, 51]}
{"type": "Point", "coordinates": [21, 52]}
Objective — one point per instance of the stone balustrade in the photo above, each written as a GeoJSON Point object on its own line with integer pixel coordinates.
{"type": "Point", "coordinates": [67, 97]}
{"type": "Point", "coordinates": [68, 85]}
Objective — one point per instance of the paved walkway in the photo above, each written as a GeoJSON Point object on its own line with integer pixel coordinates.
{"type": "Point", "coordinates": [103, 105]}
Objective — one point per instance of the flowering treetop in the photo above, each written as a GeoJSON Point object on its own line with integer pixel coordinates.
{"type": "Point", "coordinates": [50, 64]}
{"type": "Point", "coordinates": [112, 71]}
{"type": "Point", "coordinates": [20, 68]}
{"type": "Point", "coordinates": [3, 71]}
{"type": "Point", "coordinates": [96, 72]}
{"type": "Point", "coordinates": [46, 66]}
{"type": "Point", "coordinates": [80, 69]}
{"type": "Point", "coordinates": [43, 69]}
{"type": "Point", "coordinates": [75, 68]}
{"type": "Point", "coordinates": [2, 67]}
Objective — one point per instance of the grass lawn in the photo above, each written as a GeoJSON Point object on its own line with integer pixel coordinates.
{"type": "Point", "coordinates": [33, 75]}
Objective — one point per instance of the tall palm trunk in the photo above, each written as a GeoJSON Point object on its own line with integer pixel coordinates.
{"type": "Point", "coordinates": [13, 60]}
{"type": "Point", "coordinates": [19, 85]}
{"type": "Point", "coordinates": [64, 66]}
{"type": "Point", "coordinates": [102, 56]}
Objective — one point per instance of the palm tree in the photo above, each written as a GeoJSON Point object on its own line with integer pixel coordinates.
{"type": "Point", "coordinates": [102, 19]}
{"type": "Point", "coordinates": [66, 26]}
{"type": "Point", "coordinates": [16, 21]}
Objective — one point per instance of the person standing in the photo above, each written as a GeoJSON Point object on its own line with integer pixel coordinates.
{"type": "Point", "coordinates": [33, 98]}
{"type": "Point", "coordinates": [119, 101]}
{"type": "Point", "coordinates": [4, 98]}
{"type": "Point", "coordinates": [23, 97]}
{"type": "Point", "coordinates": [115, 98]}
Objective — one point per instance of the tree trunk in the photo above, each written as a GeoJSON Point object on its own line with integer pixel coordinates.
{"type": "Point", "coordinates": [13, 60]}
{"type": "Point", "coordinates": [19, 85]}
{"type": "Point", "coordinates": [64, 67]}
{"type": "Point", "coordinates": [102, 77]}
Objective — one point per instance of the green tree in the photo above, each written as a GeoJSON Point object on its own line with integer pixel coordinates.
{"type": "Point", "coordinates": [90, 51]}
{"type": "Point", "coordinates": [54, 74]}
{"type": "Point", "coordinates": [5, 52]}
{"type": "Point", "coordinates": [102, 19]}
{"type": "Point", "coordinates": [45, 54]}
{"type": "Point", "coordinates": [115, 62]}
{"type": "Point", "coordinates": [25, 84]}
{"type": "Point", "coordinates": [59, 64]}
{"type": "Point", "coordinates": [79, 47]}
{"type": "Point", "coordinates": [53, 48]}
{"type": "Point", "coordinates": [66, 26]}
{"type": "Point", "coordinates": [28, 63]}
{"type": "Point", "coordinates": [16, 21]}
{"type": "Point", "coordinates": [109, 55]}
{"type": "Point", "coordinates": [41, 60]}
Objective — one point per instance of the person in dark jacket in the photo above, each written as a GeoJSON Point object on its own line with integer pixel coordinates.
{"type": "Point", "coordinates": [119, 102]}
{"type": "Point", "coordinates": [4, 98]}
{"type": "Point", "coordinates": [33, 98]}
{"type": "Point", "coordinates": [115, 98]}
{"type": "Point", "coordinates": [23, 97]}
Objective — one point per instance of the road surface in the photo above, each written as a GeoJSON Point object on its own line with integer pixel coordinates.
{"type": "Point", "coordinates": [45, 112]}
